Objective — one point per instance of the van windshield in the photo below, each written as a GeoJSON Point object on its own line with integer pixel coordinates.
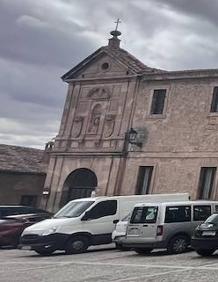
{"type": "Point", "coordinates": [73, 209]}
{"type": "Point", "coordinates": [144, 215]}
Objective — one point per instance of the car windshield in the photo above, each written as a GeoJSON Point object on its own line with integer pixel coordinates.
{"type": "Point", "coordinates": [73, 209]}
{"type": "Point", "coordinates": [212, 219]}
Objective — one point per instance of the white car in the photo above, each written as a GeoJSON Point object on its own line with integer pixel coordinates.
{"type": "Point", "coordinates": [120, 232]}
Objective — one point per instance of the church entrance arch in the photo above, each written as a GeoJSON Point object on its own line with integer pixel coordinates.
{"type": "Point", "coordinates": [79, 184]}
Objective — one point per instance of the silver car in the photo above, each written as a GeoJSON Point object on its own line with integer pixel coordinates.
{"type": "Point", "coordinates": [167, 225]}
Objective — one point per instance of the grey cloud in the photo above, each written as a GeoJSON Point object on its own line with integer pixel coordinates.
{"type": "Point", "coordinates": [30, 37]}
{"type": "Point", "coordinates": [41, 40]}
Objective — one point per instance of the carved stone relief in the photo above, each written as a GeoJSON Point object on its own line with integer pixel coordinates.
{"type": "Point", "coordinates": [94, 120]}
{"type": "Point", "coordinates": [77, 126]}
{"type": "Point", "coordinates": [99, 93]}
{"type": "Point", "coordinates": [109, 125]}
{"type": "Point", "coordinates": [79, 120]}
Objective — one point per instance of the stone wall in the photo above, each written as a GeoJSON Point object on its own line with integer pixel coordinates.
{"type": "Point", "coordinates": [14, 185]}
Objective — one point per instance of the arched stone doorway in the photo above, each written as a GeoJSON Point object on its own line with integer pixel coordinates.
{"type": "Point", "coordinates": [79, 184]}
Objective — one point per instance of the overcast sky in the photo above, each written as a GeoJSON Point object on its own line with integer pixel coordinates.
{"type": "Point", "coordinates": [41, 40]}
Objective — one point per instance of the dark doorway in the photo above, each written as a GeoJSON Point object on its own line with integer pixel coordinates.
{"type": "Point", "coordinates": [79, 184]}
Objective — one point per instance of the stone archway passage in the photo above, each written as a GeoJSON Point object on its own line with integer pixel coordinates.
{"type": "Point", "coordinates": [79, 184]}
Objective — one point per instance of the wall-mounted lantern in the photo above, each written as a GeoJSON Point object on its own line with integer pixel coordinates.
{"type": "Point", "coordinates": [133, 137]}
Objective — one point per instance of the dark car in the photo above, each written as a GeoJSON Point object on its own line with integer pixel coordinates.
{"type": "Point", "coordinates": [11, 227]}
{"type": "Point", "coordinates": [205, 237]}
{"type": "Point", "coordinates": [7, 210]}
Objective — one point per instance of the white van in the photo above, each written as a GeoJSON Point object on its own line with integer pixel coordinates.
{"type": "Point", "coordinates": [82, 223]}
{"type": "Point", "coordinates": [166, 225]}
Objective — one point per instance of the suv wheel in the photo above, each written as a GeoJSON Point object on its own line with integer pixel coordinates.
{"type": "Point", "coordinates": [76, 245]}
{"type": "Point", "coordinates": [178, 244]}
{"type": "Point", "coordinates": [205, 252]}
{"type": "Point", "coordinates": [143, 251]}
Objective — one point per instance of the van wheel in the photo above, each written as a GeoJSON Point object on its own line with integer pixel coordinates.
{"type": "Point", "coordinates": [76, 245]}
{"type": "Point", "coordinates": [143, 251]}
{"type": "Point", "coordinates": [178, 244]}
{"type": "Point", "coordinates": [205, 253]}
{"type": "Point", "coordinates": [44, 251]}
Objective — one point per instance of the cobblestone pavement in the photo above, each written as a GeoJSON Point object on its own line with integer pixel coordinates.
{"type": "Point", "coordinates": [106, 264]}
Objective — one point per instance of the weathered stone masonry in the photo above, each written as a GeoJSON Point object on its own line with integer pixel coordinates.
{"type": "Point", "coordinates": [111, 92]}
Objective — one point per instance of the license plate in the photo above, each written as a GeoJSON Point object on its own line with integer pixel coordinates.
{"type": "Point", "coordinates": [208, 233]}
{"type": "Point", "coordinates": [26, 248]}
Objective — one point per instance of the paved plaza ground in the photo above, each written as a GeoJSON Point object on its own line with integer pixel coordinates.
{"type": "Point", "coordinates": [106, 264]}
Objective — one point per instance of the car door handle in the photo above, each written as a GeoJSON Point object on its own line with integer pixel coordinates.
{"type": "Point", "coordinates": [145, 225]}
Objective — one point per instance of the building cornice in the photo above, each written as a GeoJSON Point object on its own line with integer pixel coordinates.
{"type": "Point", "coordinates": [184, 74]}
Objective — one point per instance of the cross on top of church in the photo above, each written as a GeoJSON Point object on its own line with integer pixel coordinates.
{"type": "Point", "coordinates": [116, 32]}
{"type": "Point", "coordinates": [117, 23]}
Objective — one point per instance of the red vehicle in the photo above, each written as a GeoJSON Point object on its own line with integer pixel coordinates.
{"type": "Point", "coordinates": [11, 227]}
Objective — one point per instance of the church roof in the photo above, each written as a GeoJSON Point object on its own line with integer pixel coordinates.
{"type": "Point", "coordinates": [21, 159]}
{"type": "Point", "coordinates": [118, 54]}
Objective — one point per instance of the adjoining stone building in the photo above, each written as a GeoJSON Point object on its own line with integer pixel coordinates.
{"type": "Point", "coordinates": [131, 129]}
{"type": "Point", "coordinates": [22, 175]}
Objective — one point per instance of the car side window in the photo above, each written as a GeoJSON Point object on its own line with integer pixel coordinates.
{"type": "Point", "coordinates": [102, 209]}
{"type": "Point", "coordinates": [178, 214]}
{"type": "Point", "coordinates": [201, 213]}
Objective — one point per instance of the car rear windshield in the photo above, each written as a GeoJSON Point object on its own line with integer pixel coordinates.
{"type": "Point", "coordinates": [213, 219]}
{"type": "Point", "coordinates": [73, 209]}
{"type": "Point", "coordinates": [144, 215]}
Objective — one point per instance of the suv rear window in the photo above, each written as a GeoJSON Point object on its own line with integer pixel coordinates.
{"type": "Point", "coordinates": [144, 215]}
{"type": "Point", "coordinates": [178, 214]}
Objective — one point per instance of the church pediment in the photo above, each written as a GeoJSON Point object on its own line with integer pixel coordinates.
{"type": "Point", "coordinates": [101, 64]}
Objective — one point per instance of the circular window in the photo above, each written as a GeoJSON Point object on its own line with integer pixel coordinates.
{"type": "Point", "coordinates": [105, 66]}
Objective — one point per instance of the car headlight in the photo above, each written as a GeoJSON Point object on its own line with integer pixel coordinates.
{"type": "Point", "coordinates": [49, 231]}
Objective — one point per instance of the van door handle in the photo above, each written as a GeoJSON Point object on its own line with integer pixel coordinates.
{"type": "Point", "coordinates": [115, 221]}
{"type": "Point", "coordinates": [145, 225]}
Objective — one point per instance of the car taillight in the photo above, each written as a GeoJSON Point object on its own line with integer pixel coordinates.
{"type": "Point", "coordinates": [159, 230]}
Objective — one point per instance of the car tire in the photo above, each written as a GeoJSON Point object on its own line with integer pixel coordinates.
{"type": "Point", "coordinates": [76, 245]}
{"type": "Point", "coordinates": [44, 251]}
{"type": "Point", "coordinates": [143, 251]}
{"type": "Point", "coordinates": [205, 252]}
{"type": "Point", "coordinates": [178, 244]}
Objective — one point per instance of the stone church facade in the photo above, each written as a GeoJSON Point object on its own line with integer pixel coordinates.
{"type": "Point", "coordinates": [131, 129]}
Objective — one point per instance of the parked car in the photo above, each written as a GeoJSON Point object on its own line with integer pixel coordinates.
{"type": "Point", "coordinates": [205, 236]}
{"type": "Point", "coordinates": [6, 210]}
{"type": "Point", "coordinates": [120, 232]}
{"type": "Point", "coordinates": [166, 225]}
{"type": "Point", "coordinates": [11, 227]}
{"type": "Point", "coordinates": [82, 223]}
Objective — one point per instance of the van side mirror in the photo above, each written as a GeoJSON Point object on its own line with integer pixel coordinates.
{"type": "Point", "coordinates": [86, 216]}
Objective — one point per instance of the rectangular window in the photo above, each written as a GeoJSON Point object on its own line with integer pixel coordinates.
{"type": "Point", "coordinates": [158, 100]}
{"type": "Point", "coordinates": [201, 213]}
{"type": "Point", "coordinates": [144, 215]}
{"type": "Point", "coordinates": [178, 214]}
{"type": "Point", "coordinates": [144, 179]}
{"type": "Point", "coordinates": [28, 200]}
{"type": "Point", "coordinates": [102, 209]}
{"type": "Point", "coordinates": [206, 182]}
{"type": "Point", "coordinates": [214, 104]}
